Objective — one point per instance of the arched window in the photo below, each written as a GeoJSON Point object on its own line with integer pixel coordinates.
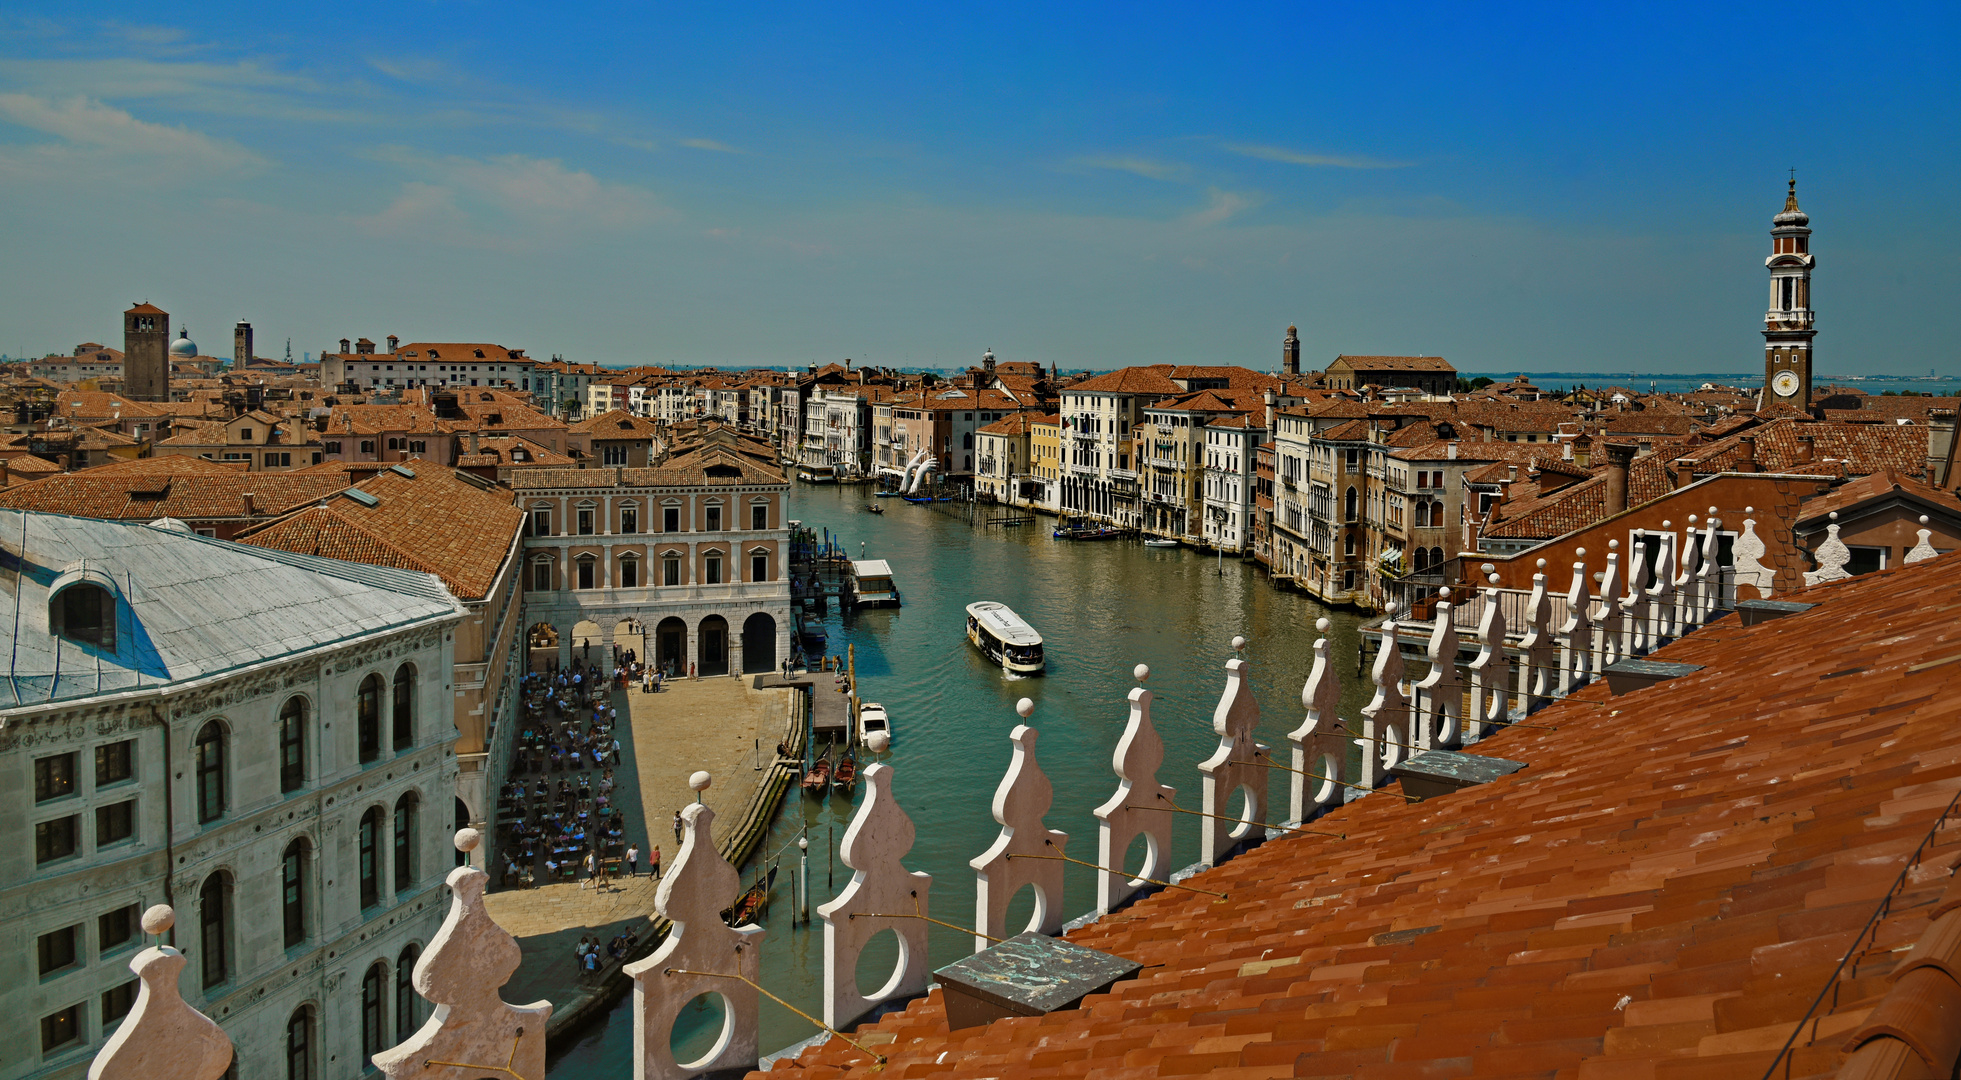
{"type": "Point", "coordinates": [1436, 556]}
{"type": "Point", "coordinates": [85, 614]}
{"type": "Point", "coordinates": [367, 707]}
{"type": "Point", "coordinates": [214, 930]}
{"type": "Point", "coordinates": [374, 1034]}
{"type": "Point", "coordinates": [210, 765]}
{"type": "Point", "coordinates": [405, 843]}
{"type": "Point", "coordinates": [299, 1044]}
{"type": "Point", "coordinates": [1349, 506]}
{"type": "Point", "coordinates": [404, 711]}
{"type": "Point", "coordinates": [292, 745]}
{"type": "Point", "coordinates": [370, 858]}
{"type": "Point", "coordinates": [292, 891]}
{"type": "Point", "coordinates": [1421, 560]}
{"type": "Point", "coordinates": [407, 1004]}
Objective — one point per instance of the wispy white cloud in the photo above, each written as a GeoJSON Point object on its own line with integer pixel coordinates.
{"type": "Point", "coordinates": [514, 189]}
{"type": "Point", "coordinates": [711, 144]}
{"type": "Point", "coordinates": [1220, 206]}
{"type": "Point", "coordinates": [169, 39]}
{"type": "Point", "coordinates": [89, 126]}
{"type": "Point", "coordinates": [1148, 168]}
{"type": "Point", "coordinates": [1319, 161]}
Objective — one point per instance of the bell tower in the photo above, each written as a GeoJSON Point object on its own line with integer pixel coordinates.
{"type": "Point", "coordinates": [1290, 352]}
{"type": "Point", "coordinates": [1789, 325]}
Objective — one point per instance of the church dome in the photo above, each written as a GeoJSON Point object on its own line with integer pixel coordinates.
{"type": "Point", "coordinates": [1791, 215]}
{"type": "Point", "coordinates": [183, 348]}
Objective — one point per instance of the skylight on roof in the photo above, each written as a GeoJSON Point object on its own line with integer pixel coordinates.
{"type": "Point", "coordinates": [403, 470]}
{"type": "Point", "coordinates": [361, 497]}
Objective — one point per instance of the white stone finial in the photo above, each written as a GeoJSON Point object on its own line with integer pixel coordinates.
{"type": "Point", "coordinates": [1238, 643]}
{"type": "Point", "coordinates": [1025, 708]}
{"type": "Point", "coordinates": [1322, 624]}
{"type": "Point", "coordinates": [1443, 593]}
{"type": "Point", "coordinates": [695, 891]}
{"type": "Point", "coordinates": [1542, 564]}
{"type": "Point", "coordinates": [1749, 509]}
{"type": "Point", "coordinates": [1832, 556]}
{"type": "Point", "coordinates": [1833, 515]}
{"type": "Point", "coordinates": [1320, 744]}
{"type": "Point", "coordinates": [1923, 550]}
{"type": "Point", "coordinates": [1579, 553]}
{"type": "Point", "coordinates": [1748, 552]}
{"type": "Point", "coordinates": [162, 1036]}
{"type": "Point", "coordinates": [1141, 672]}
{"type": "Point", "coordinates": [1493, 578]}
{"type": "Point", "coordinates": [1232, 768]}
{"type": "Point", "coordinates": [1136, 808]}
{"type": "Point", "coordinates": [1023, 796]}
{"type": "Point", "coordinates": [1613, 545]}
{"type": "Point", "coordinates": [1391, 608]}
{"type": "Point", "coordinates": [1667, 524]}
{"type": "Point", "coordinates": [699, 780]}
{"type": "Point", "coordinates": [461, 972]}
{"type": "Point", "coordinates": [878, 741]}
{"type": "Point", "coordinates": [1487, 568]}
{"type": "Point", "coordinates": [878, 838]}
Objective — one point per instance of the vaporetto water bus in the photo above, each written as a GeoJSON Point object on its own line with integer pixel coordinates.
{"type": "Point", "coordinates": [1003, 637]}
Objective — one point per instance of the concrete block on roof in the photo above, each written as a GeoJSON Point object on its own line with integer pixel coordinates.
{"type": "Point", "coordinates": [1627, 676]}
{"type": "Point", "coordinates": [1027, 975]}
{"type": "Point", "coordinates": [1441, 772]}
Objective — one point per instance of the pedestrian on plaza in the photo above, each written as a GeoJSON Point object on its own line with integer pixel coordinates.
{"type": "Point", "coordinates": [616, 751]}
{"type": "Point", "coordinates": [691, 671]}
{"type": "Point", "coordinates": [677, 826]}
{"type": "Point", "coordinates": [592, 876]}
{"type": "Point", "coordinates": [653, 864]}
{"type": "Point", "coordinates": [633, 860]}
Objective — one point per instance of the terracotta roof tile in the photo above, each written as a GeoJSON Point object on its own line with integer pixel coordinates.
{"type": "Point", "coordinates": [1579, 918]}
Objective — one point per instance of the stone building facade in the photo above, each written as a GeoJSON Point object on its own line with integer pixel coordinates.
{"type": "Point", "coordinates": [226, 731]}
{"type": "Point", "coordinates": [693, 552]}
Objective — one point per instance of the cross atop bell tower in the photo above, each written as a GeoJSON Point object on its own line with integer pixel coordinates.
{"type": "Point", "coordinates": [1789, 324]}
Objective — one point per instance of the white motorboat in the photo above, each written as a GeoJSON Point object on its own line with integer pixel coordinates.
{"type": "Point", "coordinates": [872, 717]}
{"type": "Point", "coordinates": [1003, 637]}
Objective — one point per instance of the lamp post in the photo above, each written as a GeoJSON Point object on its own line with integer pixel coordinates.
{"type": "Point", "coordinates": [803, 863]}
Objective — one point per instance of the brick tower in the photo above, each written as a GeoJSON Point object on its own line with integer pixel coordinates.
{"type": "Point", "coordinates": [1789, 325]}
{"type": "Point", "coordinates": [146, 357]}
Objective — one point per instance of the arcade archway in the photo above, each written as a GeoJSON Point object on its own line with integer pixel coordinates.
{"type": "Point", "coordinates": [759, 643]}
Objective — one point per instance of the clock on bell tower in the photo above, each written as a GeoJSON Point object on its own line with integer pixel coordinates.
{"type": "Point", "coordinates": [1788, 325]}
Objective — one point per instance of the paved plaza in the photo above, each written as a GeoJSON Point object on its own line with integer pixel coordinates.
{"type": "Point", "coordinates": [713, 724]}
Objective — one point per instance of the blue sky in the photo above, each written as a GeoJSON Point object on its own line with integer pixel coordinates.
{"type": "Point", "coordinates": [1541, 189]}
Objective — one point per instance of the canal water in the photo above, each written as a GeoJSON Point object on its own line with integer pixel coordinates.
{"type": "Point", "coordinates": [1102, 608]}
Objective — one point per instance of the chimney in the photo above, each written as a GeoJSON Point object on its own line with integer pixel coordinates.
{"type": "Point", "coordinates": [1619, 457]}
{"type": "Point", "coordinates": [1749, 462]}
{"type": "Point", "coordinates": [249, 509]}
{"type": "Point", "coordinates": [1450, 452]}
{"type": "Point", "coordinates": [393, 341]}
{"type": "Point", "coordinates": [1807, 445]}
{"type": "Point", "coordinates": [1566, 452]}
{"type": "Point", "coordinates": [1684, 472]}
{"type": "Point", "coordinates": [4, 481]}
{"type": "Point", "coordinates": [847, 363]}
{"type": "Point", "coordinates": [1269, 412]}
{"type": "Point", "coordinates": [473, 442]}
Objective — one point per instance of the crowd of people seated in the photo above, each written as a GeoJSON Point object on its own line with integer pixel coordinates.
{"type": "Point", "coordinates": [555, 815]}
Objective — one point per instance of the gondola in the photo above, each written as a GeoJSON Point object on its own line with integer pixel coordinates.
{"type": "Point", "coordinates": [846, 779]}
{"type": "Point", "coordinates": [750, 902]}
{"type": "Point", "coordinates": [874, 508]}
{"type": "Point", "coordinates": [819, 774]}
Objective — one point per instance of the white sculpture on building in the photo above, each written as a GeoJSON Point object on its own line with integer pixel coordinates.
{"type": "Point", "coordinates": [1576, 654]}
{"type": "Point", "coordinates": [1386, 716]}
{"type": "Point", "coordinates": [1832, 555]}
{"type": "Point", "coordinates": [1923, 550]}
{"type": "Point", "coordinates": [1321, 743]}
{"type": "Point", "coordinates": [163, 1038]}
{"type": "Point", "coordinates": [1538, 651]}
{"type": "Point", "coordinates": [1709, 576]}
{"type": "Point", "coordinates": [1233, 768]}
{"type": "Point", "coordinates": [702, 955]}
{"type": "Point", "coordinates": [1749, 552]}
{"type": "Point", "coordinates": [1637, 635]}
{"type": "Point", "coordinates": [460, 973]}
{"type": "Point", "coordinates": [1439, 698]}
{"type": "Point", "coordinates": [1661, 595]}
{"type": "Point", "coordinates": [1609, 619]}
{"type": "Point", "coordinates": [1020, 801]}
{"type": "Point", "coordinates": [1138, 808]}
{"type": "Point", "coordinates": [1490, 673]}
{"type": "Point", "coordinates": [879, 837]}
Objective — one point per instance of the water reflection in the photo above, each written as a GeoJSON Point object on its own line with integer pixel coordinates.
{"type": "Point", "coordinates": [1101, 608]}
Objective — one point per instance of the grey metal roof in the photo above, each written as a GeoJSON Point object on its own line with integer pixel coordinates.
{"type": "Point", "coordinates": [187, 607]}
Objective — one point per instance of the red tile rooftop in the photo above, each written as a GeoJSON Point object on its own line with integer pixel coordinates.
{"type": "Point", "coordinates": [1662, 892]}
